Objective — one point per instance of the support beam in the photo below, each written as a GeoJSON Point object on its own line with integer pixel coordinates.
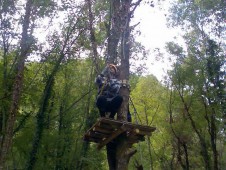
{"type": "Point", "coordinates": [111, 137]}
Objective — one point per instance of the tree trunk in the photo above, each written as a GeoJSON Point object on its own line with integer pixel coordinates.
{"type": "Point", "coordinates": [179, 141]}
{"type": "Point", "coordinates": [5, 86]}
{"type": "Point", "coordinates": [68, 42]}
{"type": "Point", "coordinates": [186, 155]}
{"type": "Point", "coordinates": [179, 154]}
{"type": "Point", "coordinates": [203, 145]}
{"type": "Point", "coordinates": [212, 132]}
{"type": "Point", "coordinates": [119, 151]}
{"type": "Point", "coordinates": [60, 152]}
{"type": "Point", "coordinates": [213, 137]}
{"type": "Point", "coordinates": [40, 121]}
{"type": "Point", "coordinates": [92, 37]}
{"type": "Point", "coordinates": [41, 113]}
{"type": "Point", "coordinates": [115, 31]}
{"type": "Point", "coordinates": [123, 149]}
{"type": "Point", "coordinates": [6, 140]}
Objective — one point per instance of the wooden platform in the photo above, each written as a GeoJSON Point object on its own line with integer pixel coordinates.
{"type": "Point", "coordinates": [105, 130]}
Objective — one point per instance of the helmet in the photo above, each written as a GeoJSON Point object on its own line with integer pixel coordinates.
{"type": "Point", "coordinates": [112, 68]}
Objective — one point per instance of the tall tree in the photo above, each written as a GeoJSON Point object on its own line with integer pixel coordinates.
{"type": "Point", "coordinates": [119, 29]}
{"type": "Point", "coordinates": [201, 41]}
{"type": "Point", "coordinates": [187, 90]}
{"type": "Point", "coordinates": [25, 46]}
{"type": "Point", "coordinates": [69, 41]}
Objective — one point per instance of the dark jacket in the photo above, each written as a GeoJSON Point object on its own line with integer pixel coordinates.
{"type": "Point", "coordinates": [108, 84]}
{"type": "Point", "coordinates": [107, 87]}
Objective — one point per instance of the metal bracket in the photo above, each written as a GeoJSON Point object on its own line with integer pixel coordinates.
{"type": "Point", "coordinates": [125, 83]}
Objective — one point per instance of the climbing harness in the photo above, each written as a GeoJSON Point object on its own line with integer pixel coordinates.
{"type": "Point", "coordinates": [125, 83]}
{"type": "Point", "coordinates": [103, 86]}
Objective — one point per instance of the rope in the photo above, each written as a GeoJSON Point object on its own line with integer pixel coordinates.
{"type": "Point", "coordinates": [137, 116]}
{"type": "Point", "coordinates": [103, 86]}
{"type": "Point", "coordinates": [74, 103]}
{"type": "Point", "coordinates": [135, 112]}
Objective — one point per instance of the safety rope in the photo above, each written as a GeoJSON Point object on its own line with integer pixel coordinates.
{"type": "Point", "coordinates": [102, 88]}
{"type": "Point", "coordinates": [136, 116]}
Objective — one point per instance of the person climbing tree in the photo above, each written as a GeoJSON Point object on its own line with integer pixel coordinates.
{"type": "Point", "coordinates": [108, 99]}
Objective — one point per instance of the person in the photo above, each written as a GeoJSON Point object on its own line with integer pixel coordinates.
{"type": "Point", "coordinates": [108, 99]}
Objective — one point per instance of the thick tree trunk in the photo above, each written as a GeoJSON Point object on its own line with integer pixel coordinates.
{"type": "Point", "coordinates": [115, 31]}
{"type": "Point", "coordinates": [124, 151]}
{"type": "Point", "coordinates": [6, 140]}
{"type": "Point", "coordinates": [119, 151]}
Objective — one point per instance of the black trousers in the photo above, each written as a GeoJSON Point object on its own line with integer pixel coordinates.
{"type": "Point", "coordinates": [111, 105]}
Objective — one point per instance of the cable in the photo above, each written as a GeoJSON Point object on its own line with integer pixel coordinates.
{"type": "Point", "coordinates": [135, 112]}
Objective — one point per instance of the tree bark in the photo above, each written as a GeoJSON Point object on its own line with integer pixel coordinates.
{"type": "Point", "coordinates": [186, 155]}
{"type": "Point", "coordinates": [114, 34]}
{"type": "Point", "coordinates": [119, 30]}
{"type": "Point", "coordinates": [115, 31]}
{"type": "Point", "coordinates": [213, 137]}
{"type": "Point", "coordinates": [92, 37]}
{"type": "Point", "coordinates": [6, 140]}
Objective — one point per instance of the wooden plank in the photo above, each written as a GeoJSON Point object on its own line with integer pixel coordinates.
{"type": "Point", "coordinates": [98, 135]}
{"type": "Point", "coordinates": [111, 137]}
{"type": "Point", "coordinates": [105, 130]}
{"type": "Point", "coordinates": [91, 139]}
{"type": "Point", "coordinates": [99, 129]}
{"type": "Point", "coordinates": [105, 126]}
{"type": "Point", "coordinates": [140, 127]}
{"type": "Point", "coordinates": [141, 132]}
{"type": "Point", "coordinates": [109, 123]}
{"type": "Point", "coordinates": [112, 122]}
{"type": "Point", "coordinates": [133, 134]}
{"type": "Point", "coordinates": [128, 125]}
{"type": "Point", "coordinates": [96, 124]}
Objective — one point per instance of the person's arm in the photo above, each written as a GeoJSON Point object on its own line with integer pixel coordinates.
{"type": "Point", "coordinates": [99, 80]}
{"type": "Point", "coordinates": [105, 71]}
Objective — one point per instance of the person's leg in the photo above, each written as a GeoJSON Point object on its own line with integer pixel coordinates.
{"type": "Point", "coordinates": [111, 154]}
{"type": "Point", "coordinates": [115, 105]}
{"type": "Point", "coordinates": [101, 104]}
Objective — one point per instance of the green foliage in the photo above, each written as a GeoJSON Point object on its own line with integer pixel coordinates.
{"type": "Point", "coordinates": [195, 95]}
{"type": "Point", "coordinates": [149, 98]}
{"type": "Point", "coordinates": [192, 105]}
